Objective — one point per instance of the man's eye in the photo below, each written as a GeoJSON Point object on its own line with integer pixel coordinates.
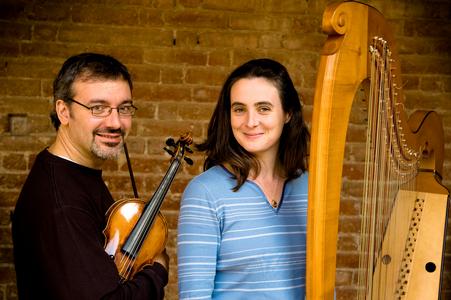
{"type": "Point", "coordinates": [99, 108]}
{"type": "Point", "coordinates": [126, 108]}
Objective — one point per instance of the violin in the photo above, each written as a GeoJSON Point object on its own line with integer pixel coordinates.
{"type": "Point", "coordinates": [136, 231]}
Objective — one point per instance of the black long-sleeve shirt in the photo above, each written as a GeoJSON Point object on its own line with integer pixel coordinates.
{"type": "Point", "coordinates": [58, 238]}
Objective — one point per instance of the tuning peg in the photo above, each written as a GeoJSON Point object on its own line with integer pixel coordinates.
{"type": "Point", "coordinates": [170, 142]}
{"type": "Point", "coordinates": [188, 149]}
{"type": "Point", "coordinates": [188, 160]}
{"type": "Point", "coordinates": [169, 151]}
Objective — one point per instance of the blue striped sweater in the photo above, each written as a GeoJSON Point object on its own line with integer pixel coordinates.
{"type": "Point", "coordinates": [235, 245]}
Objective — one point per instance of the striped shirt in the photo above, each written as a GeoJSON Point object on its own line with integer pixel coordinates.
{"type": "Point", "coordinates": [235, 245]}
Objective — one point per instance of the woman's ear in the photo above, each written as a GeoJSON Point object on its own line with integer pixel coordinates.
{"type": "Point", "coordinates": [62, 111]}
{"type": "Point", "coordinates": [287, 118]}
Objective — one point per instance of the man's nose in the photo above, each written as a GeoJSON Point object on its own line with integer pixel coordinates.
{"type": "Point", "coordinates": [113, 120]}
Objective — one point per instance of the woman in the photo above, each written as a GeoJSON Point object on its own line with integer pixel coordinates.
{"type": "Point", "coordinates": [242, 225]}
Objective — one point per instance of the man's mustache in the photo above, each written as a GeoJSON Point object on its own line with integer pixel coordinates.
{"type": "Point", "coordinates": [109, 130]}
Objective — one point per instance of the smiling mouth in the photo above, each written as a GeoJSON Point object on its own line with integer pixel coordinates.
{"type": "Point", "coordinates": [109, 137]}
{"type": "Point", "coordinates": [252, 135]}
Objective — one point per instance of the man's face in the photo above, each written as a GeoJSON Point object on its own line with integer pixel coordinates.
{"type": "Point", "coordinates": [94, 138]}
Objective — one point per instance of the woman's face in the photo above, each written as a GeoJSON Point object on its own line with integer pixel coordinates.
{"type": "Point", "coordinates": [257, 116]}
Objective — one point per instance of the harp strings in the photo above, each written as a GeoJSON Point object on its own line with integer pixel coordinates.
{"type": "Point", "coordinates": [388, 163]}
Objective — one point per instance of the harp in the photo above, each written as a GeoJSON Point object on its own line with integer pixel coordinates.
{"type": "Point", "coordinates": [404, 205]}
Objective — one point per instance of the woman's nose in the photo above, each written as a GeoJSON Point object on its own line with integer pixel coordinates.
{"type": "Point", "coordinates": [252, 119]}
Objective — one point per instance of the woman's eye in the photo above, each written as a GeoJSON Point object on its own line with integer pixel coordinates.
{"type": "Point", "coordinates": [264, 108]}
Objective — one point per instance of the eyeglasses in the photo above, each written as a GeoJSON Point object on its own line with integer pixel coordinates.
{"type": "Point", "coordinates": [105, 110]}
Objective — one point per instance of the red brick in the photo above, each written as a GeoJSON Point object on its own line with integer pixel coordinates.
{"type": "Point", "coordinates": [170, 93]}
{"type": "Point", "coordinates": [201, 111]}
{"type": "Point", "coordinates": [116, 36]}
{"type": "Point", "coordinates": [105, 14]}
{"type": "Point", "coordinates": [234, 5]}
{"type": "Point", "coordinates": [12, 181]}
{"type": "Point", "coordinates": [346, 293]}
{"type": "Point", "coordinates": [189, 18]}
{"type": "Point", "coordinates": [15, 31]}
{"type": "Point", "coordinates": [219, 58]}
{"type": "Point", "coordinates": [261, 21]}
{"type": "Point", "coordinates": [135, 145]}
{"type": "Point", "coordinates": [6, 254]}
{"type": "Point", "coordinates": [350, 207]}
{"type": "Point", "coordinates": [171, 75]}
{"type": "Point", "coordinates": [190, 3]}
{"type": "Point", "coordinates": [348, 242]}
{"type": "Point", "coordinates": [122, 186]}
{"type": "Point", "coordinates": [45, 32]}
{"type": "Point", "coordinates": [270, 41]}
{"type": "Point", "coordinates": [5, 237]}
{"type": "Point", "coordinates": [226, 39]}
{"type": "Point", "coordinates": [150, 17]}
{"type": "Point", "coordinates": [287, 6]}
{"type": "Point", "coordinates": [8, 198]}
{"type": "Point", "coordinates": [343, 278]}
{"type": "Point", "coordinates": [175, 56]}
{"type": "Point", "coordinates": [156, 145]}
{"type": "Point", "coordinates": [434, 84]}
{"type": "Point", "coordinates": [354, 170]}
{"type": "Point", "coordinates": [171, 201]}
{"type": "Point", "coordinates": [411, 82]}
{"type": "Point", "coordinates": [207, 76]}
{"type": "Point", "coordinates": [11, 10]}
{"type": "Point", "coordinates": [20, 87]}
{"type": "Point", "coordinates": [347, 260]}
{"type": "Point", "coordinates": [144, 73]}
{"type": "Point", "coordinates": [13, 161]}
{"type": "Point", "coordinates": [9, 49]}
{"type": "Point", "coordinates": [24, 143]}
{"type": "Point", "coordinates": [206, 94]}
{"type": "Point", "coordinates": [7, 274]}
{"type": "Point", "coordinates": [412, 64]}
{"type": "Point", "coordinates": [427, 28]}
{"type": "Point", "coordinates": [349, 224]}
{"type": "Point", "coordinates": [49, 12]}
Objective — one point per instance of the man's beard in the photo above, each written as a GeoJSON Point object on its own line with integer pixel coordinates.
{"type": "Point", "coordinates": [107, 150]}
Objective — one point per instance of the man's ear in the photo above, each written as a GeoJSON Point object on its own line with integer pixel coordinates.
{"type": "Point", "coordinates": [62, 111]}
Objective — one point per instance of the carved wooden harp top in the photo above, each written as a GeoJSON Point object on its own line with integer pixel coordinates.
{"type": "Point", "coordinates": [345, 65]}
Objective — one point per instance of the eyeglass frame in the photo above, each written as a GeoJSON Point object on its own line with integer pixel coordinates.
{"type": "Point", "coordinates": [109, 107]}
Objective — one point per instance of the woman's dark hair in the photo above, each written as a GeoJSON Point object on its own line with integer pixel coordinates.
{"type": "Point", "coordinates": [222, 147]}
{"type": "Point", "coordinates": [85, 66]}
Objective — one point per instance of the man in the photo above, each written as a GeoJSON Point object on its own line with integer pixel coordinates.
{"type": "Point", "coordinates": [59, 218]}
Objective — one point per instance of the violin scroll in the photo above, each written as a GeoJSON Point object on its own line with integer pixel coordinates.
{"type": "Point", "coordinates": [177, 149]}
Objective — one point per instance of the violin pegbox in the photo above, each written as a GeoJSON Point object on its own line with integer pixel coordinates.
{"type": "Point", "coordinates": [177, 149]}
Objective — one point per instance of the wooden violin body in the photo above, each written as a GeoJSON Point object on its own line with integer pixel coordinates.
{"type": "Point", "coordinates": [122, 218]}
{"type": "Point", "coordinates": [136, 231]}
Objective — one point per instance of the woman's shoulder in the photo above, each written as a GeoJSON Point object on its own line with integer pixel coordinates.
{"type": "Point", "coordinates": [213, 175]}
{"type": "Point", "coordinates": [300, 182]}
{"type": "Point", "coordinates": [216, 177]}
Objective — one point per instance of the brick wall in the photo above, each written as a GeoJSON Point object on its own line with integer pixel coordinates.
{"type": "Point", "coordinates": [179, 52]}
